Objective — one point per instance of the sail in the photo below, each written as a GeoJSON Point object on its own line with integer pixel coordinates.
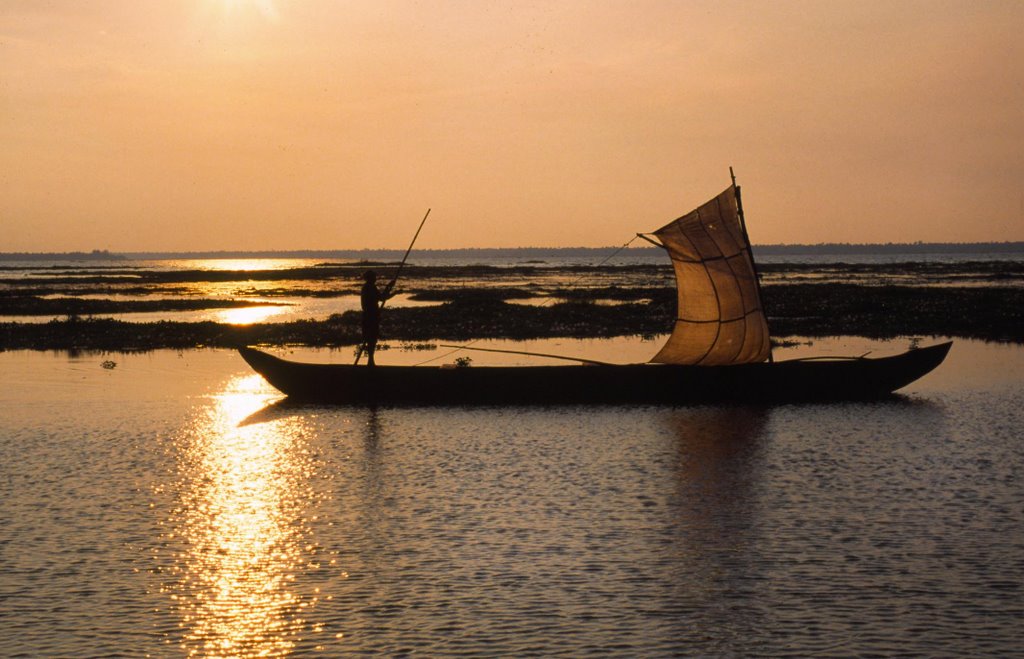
{"type": "Point", "coordinates": [719, 319]}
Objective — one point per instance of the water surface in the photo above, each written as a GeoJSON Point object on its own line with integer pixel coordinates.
{"type": "Point", "coordinates": [171, 505]}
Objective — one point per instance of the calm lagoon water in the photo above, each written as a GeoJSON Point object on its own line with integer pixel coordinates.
{"type": "Point", "coordinates": [172, 506]}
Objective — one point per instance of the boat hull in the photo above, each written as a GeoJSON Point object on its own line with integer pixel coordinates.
{"type": "Point", "coordinates": [786, 381]}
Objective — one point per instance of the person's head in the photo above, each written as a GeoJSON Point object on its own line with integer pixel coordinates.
{"type": "Point", "coordinates": [370, 276]}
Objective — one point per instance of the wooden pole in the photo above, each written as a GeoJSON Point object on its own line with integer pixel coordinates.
{"type": "Point", "coordinates": [650, 240]}
{"type": "Point", "coordinates": [390, 286]}
{"type": "Point", "coordinates": [402, 264]}
{"type": "Point", "coordinates": [530, 354]}
{"type": "Point", "coordinates": [753, 263]}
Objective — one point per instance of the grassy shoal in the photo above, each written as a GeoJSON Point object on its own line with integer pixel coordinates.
{"type": "Point", "coordinates": [812, 310]}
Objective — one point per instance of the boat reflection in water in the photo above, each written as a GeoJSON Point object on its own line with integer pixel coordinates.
{"type": "Point", "coordinates": [716, 515]}
{"type": "Point", "coordinates": [244, 525]}
{"type": "Point", "coordinates": [717, 449]}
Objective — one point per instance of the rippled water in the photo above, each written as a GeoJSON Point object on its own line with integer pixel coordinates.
{"type": "Point", "coordinates": [169, 506]}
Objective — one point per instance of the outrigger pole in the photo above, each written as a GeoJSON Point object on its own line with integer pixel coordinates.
{"type": "Point", "coordinates": [530, 354]}
{"type": "Point", "coordinates": [387, 289]}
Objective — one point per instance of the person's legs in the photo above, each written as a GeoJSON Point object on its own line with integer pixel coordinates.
{"type": "Point", "coordinates": [371, 346]}
{"type": "Point", "coordinates": [370, 336]}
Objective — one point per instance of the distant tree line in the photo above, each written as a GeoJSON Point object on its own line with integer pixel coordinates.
{"type": "Point", "coordinates": [94, 255]}
{"type": "Point", "coordinates": [893, 248]}
{"type": "Point", "coordinates": [524, 253]}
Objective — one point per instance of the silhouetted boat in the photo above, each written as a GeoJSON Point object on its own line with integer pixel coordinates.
{"type": "Point", "coordinates": [719, 348]}
{"type": "Point", "coordinates": [783, 381]}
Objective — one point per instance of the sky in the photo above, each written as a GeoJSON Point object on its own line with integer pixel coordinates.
{"type": "Point", "coordinates": [148, 125]}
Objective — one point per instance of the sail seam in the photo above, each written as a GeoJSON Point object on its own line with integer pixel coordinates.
{"type": "Point", "coordinates": [714, 286]}
{"type": "Point", "coordinates": [743, 300]}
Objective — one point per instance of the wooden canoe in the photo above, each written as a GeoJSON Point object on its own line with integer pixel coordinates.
{"type": "Point", "coordinates": [784, 381]}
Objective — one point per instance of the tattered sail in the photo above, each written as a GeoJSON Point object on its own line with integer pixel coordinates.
{"type": "Point", "coordinates": [720, 320]}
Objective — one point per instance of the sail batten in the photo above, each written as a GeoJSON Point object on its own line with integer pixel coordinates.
{"type": "Point", "coordinates": [709, 260]}
{"type": "Point", "coordinates": [720, 318]}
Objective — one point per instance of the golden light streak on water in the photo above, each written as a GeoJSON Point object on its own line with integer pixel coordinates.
{"type": "Point", "coordinates": [244, 525]}
{"type": "Point", "coordinates": [243, 264]}
{"type": "Point", "coordinates": [247, 315]}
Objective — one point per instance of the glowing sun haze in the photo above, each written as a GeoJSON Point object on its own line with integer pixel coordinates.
{"type": "Point", "coordinates": [274, 124]}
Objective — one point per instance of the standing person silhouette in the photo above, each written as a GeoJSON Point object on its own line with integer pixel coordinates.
{"type": "Point", "coordinates": [372, 300]}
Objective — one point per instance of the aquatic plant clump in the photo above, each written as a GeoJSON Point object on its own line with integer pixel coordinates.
{"type": "Point", "coordinates": [814, 310]}
{"type": "Point", "coordinates": [973, 299]}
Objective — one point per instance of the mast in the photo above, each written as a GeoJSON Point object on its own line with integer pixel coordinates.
{"type": "Point", "coordinates": [753, 262]}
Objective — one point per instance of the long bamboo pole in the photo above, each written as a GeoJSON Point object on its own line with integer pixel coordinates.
{"type": "Point", "coordinates": [394, 280]}
{"type": "Point", "coordinates": [404, 258]}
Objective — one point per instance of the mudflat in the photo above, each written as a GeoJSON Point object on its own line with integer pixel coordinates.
{"type": "Point", "coordinates": [978, 299]}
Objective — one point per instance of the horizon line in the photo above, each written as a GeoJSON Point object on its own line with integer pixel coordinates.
{"type": "Point", "coordinates": [843, 247]}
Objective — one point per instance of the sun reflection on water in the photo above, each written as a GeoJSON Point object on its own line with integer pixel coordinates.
{"type": "Point", "coordinates": [244, 522]}
{"type": "Point", "coordinates": [247, 315]}
{"type": "Point", "coordinates": [247, 265]}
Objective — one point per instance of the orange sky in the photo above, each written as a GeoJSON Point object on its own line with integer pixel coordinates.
{"type": "Point", "coordinates": [319, 124]}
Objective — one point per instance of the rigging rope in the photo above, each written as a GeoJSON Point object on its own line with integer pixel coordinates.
{"type": "Point", "coordinates": [571, 284]}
